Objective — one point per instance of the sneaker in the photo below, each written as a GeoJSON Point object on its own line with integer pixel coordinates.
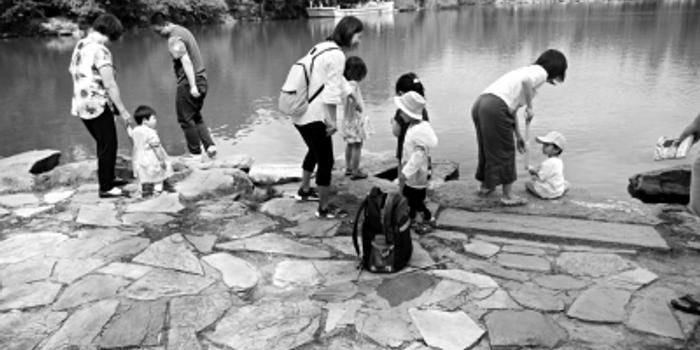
{"type": "Point", "coordinates": [189, 157]}
{"type": "Point", "coordinates": [331, 213]}
{"type": "Point", "coordinates": [114, 192]}
{"type": "Point", "coordinates": [358, 176]}
{"type": "Point", "coordinates": [348, 172]}
{"type": "Point", "coordinates": [310, 196]}
{"type": "Point", "coordinates": [211, 151]}
{"type": "Point", "coordinates": [168, 187]}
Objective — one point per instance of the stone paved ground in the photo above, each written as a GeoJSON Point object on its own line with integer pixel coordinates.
{"type": "Point", "coordinates": [215, 269]}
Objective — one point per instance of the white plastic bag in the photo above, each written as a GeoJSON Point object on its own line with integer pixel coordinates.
{"type": "Point", "coordinates": [667, 148]}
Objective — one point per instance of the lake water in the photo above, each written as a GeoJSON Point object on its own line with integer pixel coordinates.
{"type": "Point", "coordinates": [634, 75]}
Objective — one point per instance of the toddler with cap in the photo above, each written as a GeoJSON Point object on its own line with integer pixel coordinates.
{"type": "Point", "coordinates": [548, 179]}
{"type": "Point", "coordinates": [415, 159]}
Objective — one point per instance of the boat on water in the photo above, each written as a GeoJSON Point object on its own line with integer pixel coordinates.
{"type": "Point", "coordinates": [371, 7]}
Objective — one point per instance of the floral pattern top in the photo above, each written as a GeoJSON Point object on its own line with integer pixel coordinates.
{"type": "Point", "coordinates": [89, 93]}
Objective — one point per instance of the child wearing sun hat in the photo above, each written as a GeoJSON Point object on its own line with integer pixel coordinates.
{"type": "Point", "coordinates": [548, 179]}
{"type": "Point", "coordinates": [415, 160]}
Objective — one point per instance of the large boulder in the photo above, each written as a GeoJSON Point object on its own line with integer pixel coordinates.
{"type": "Point", "coordinates": [17, 172]}
{"type": "Point", "coordinates": [71, 174]}
{"type": "Point", "coordinates": [202, 183]}
{"type": "Point", "coordinates": [669, 185]}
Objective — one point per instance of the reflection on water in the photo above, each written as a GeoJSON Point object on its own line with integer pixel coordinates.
{"type": "Point", "coordinates": [633, 77]}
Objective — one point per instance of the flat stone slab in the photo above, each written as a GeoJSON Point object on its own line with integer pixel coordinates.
{"type": "Point", "coordinates": [420, 257]}
{"type": "Point", "coordinates": [166, 283]}
{"type": "Point", "coordinates": [25, 246]}
{"type": "Point", "coordinates": [550, 227]}
{"type": "Point", "coordinates": [296, 273]}
{"type": "Point", "coordinates": [19, 200]}
{"type": "Point", "coordinates": [29, 212]}
{"type": "Point", "coordinates": [605, 305]}
{"type": "Point", "coordinates": [168, 203]}
{"type": "Point", "coordinates": [58, 196]}
{"type": "Point", "coordinates": [221, 208]}
{"type": "Point", "coordinates": [237, 273]}
{"type": "Point", "coordinates": [523, 329]}
{"type": "Point", "coordinates": [516, 249]}
{"type": "Point", "coordinates": [341, 314]}
{"type": "Point", "coordinates": [315, 228]}
{"type": "Point", "coordinates": [524, 262]}
{"type": "Point", "coordinates": [103, 214]}
{"type": "Point", "coordinates": [204, 182]}
{"type": "Point", "coordinates": [405, 287]}
{"type": "Point", "coordinates": [22, 296]}
{"type": "Point", "coordinates": [24, 330]}
{"type": "Point", "coordinates": [82, 326]}
{"type": "Point", "coordinates": [90, 288]}
{"type": "Point", "coordinates": [631, 279]}
{"type": "Point", "coordinates": [171, 252]}
{"type": "Point", "coordinates": [136, 324]}
{"type": "Point", "coordinates": [446, 330]}
{"type": "Point", "coordinates": [389, 328]}
{"type": "Point", "coordinates": [26, 271]}
{"type": "Point", "coordinates": [481, 248]}
{"type": "Point", "coordinates": [124, 248]}
{"type": "Point", "coordinates": [591, 264]}
{"type": "Point", "coordinates": [341, 244]}
{"type": "Point", "coordinates": [204, 243]}
{"type": "Point", "coordinates": [501, 272]}
{"type": "Point", "coordinates": [247, 226]}
{"type": "Point", "coordinates": [273, 243]}
{"type": "Point", "coordinates": [146, 219]}
{"type": "Point", "coordinates": [652, 315]}
{"type": "Point", "coordinates": [560, 282]}
{"type": "Point", "coordinates": [183, 338]}
{"type": "Point", "coordinates": [200, 311]}
{"type": "Point", "coordinates": [269, 324]}
{"type": "Point", "coordinates": [69, 270]}
{"type": "Point", "coordinates": [478, 280]}
{"type": "Point", "coordinates": [538, 299]}
{"type": "Point", "coordinates": [499, 300]}
{"type": "Point", "coordinates": [130, 271]}
{"type": "Point", "coordinates": [290, 209]}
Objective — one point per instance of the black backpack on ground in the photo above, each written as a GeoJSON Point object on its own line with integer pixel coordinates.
{"type": "Point", "coordinates": [383, 225]}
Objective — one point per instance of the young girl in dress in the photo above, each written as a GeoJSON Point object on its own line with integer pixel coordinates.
{"type": "Point", "coordinates": [151, 165]}
{"type": "Point", "coordinates": [354, 130]}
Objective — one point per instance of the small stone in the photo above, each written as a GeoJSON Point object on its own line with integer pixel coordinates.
{"type": "Point", "coordinates": [591, 264]}
{"type": "Point", "coordinates": [315, 228]}
{"type": "Point", "coordinates": [58, 196]}
{"type": "Point", "coordinates": [24, 330]}
{"type": "Point", "coordinates": [237, 273]}
{"type": "Point", "coordinates": [247, 226]}
{"type": "Point", "coordinates": [69, 270]}
{"type": "Point", "coordinates": [24, 246]}
{"type": "Point", "coordinates": [446, 330]}
{"type": "Point", "coordinates": [523, 250]}
{"type": "Point", "coordinates": [22, 296]}
{"type": "Point", "coordinates": [26, 271]}
{"type": "Point", "coordinates": [480, 281]}
{"type": "Point", "coordinates": [166, 283]}
{"type": "Point", "coordinates": [90, 288]}
{"type": "Point", "coordinates": [539, 299]}
{"type": "Point", "coordinates": [560, 282]}
{"type": "Point", "coordinates": [600, 305]}
{"type": "Point", "coordinates": [524, 262]}
{"type": "Point", "coordinates": [136, 324]}
{"type": "Point", "coordinates": [103, 214]}
{"type": "Point", "coordinates": [523, 329]}
{"type": "Point", "coordinates": [26, 213]}
{"type": "Point", "coordinates": [499, 300]}
{"type": "Point", "coordinates": [19, 200]}
{"type": "Point", "coordinates": [171, 255]}
{"type": "Point", "coordinates": [82, 326]}
{"type": "Point", "coordinates": [652, 315]}
{"type": "Point", "coordinates": [183, 339]}
{"type": "Point", "coordinates": [273, 243]}
{"type": "Point", "coordinates": [268, 324]}
{"type": "Point", "coordinates": [130, 271]}
{"type": "Point", "coordinates": [168, 203]}
{"type": "Point", "coordinates": [481, 248]}
{"type": "Point", "coordinates": [203, 243]}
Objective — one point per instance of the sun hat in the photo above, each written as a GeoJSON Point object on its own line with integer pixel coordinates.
{"type": "Point", "coordinates": [553, 137]}
{"type": "Point", "coordinates": [411, 103]}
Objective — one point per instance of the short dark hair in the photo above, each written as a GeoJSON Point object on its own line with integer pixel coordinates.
{"type": "Point", "coordinates": [158, 19]}
{"type": "Point", "coordinates": [409, 82]}
{"type": "Point", "coordinates": [554, 62]}
{"type": "Point", "coordinates": [108, 25]}
{"type": "Point", "coordinates": [346, 28]}
{"type": "Point", "coordinates": [355, 69]}
{"type": "Point", "coordinates": [142, 113]}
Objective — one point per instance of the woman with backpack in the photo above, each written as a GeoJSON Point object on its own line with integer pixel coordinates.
{"type": "Point", "coordinates": [319, 122]}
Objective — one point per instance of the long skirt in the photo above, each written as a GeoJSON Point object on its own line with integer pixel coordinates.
{"type": "Point", "coordinates": [494, 124]}
{"type": "Point", "coordinates": [694, 204]}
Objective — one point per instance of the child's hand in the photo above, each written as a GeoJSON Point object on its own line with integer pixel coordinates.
{"type": "Point", "coordinates": [521, 146]}
{"type": "Point", "coordinates": [163, 165]}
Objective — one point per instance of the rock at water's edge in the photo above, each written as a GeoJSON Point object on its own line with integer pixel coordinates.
{"type": "Point", "coordinates": [669, 185]}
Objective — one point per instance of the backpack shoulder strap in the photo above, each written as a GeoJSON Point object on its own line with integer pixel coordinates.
{"type": "Point", "coordinates": [355, 231]}
{"type": "Point", "coordinates": [314, 54]}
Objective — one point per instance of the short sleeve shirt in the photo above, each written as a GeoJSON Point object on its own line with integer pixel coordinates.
{"type": "Point", "coordinates": [89, 93]}
{"type": "Point", "coordinates": [509, 87]}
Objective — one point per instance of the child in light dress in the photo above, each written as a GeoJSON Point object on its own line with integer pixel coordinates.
{"type": "Point", "coordinates": [150, 161]}
{"type": "Point", "coordinates": [547, 180]}
{"type": "Point", "coordinates": [418, 144]}
{"type": "Point", "coordinates": [355, 126]}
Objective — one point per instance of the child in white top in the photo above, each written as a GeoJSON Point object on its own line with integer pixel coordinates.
{"type": "Point", "coordinates": [150, 162]}
{"type": "Point", "coordinates": [415, 160]}
{"type": "Point", "coordinates": [354, 129]}
{"type": "Point", "coordinates": [548, 179]}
